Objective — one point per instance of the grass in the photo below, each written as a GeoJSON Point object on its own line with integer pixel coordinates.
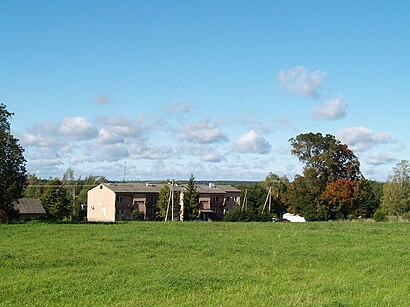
{"type": "Point", "coordinates": [205, 264]}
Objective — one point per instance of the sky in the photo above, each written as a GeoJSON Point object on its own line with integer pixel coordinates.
{"type": "Point", "coordinates": [145, 90]}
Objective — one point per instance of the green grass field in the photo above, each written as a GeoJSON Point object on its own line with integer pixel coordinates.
{"type": "Point", "coordinates": [205, 264]}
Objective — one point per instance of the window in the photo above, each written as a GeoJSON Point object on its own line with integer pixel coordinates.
{"type": "Point", "coordinates": [228, 198]}
{"type": "Point", "coordinates": [152, 200]}
{"type": "Point", "coordinates": [137, 203]}
{"type": "Point", "coordinates": [215, 199]}
{"type": "Point", "coordinates": [120, 211]}
{"type": "Point", "coordinates": [101, 187]}
{"type": "Point", "coordinates": [119, 199]}
{"type": "Point", "coordinates": [234, 198]}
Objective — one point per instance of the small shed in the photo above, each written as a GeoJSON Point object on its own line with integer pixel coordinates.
{"type": "Point", "coordinates": [30, 208]}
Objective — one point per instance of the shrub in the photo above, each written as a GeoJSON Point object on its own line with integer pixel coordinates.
{"type": "Point", "coordinates": [380, 215]}
{"type": "Point", "coordinates": [137, 215]}
{"type": "Point", "coordinates": [246, 216]}
{"type": "Point", "coordinates": [3, 216]}
{"type": "Point", "coordinates": [406, 215]}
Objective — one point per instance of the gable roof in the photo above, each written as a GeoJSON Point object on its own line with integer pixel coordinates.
{"type": "Point", "coordinates": [140, 187]}
{"type": "Point", "coordinates": [29, 206]}
{"type": "Point", "coordinates": [135, 187]}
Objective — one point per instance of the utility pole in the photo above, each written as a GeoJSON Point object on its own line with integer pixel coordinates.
{"type": "Point", "coordinates": [172, 200]}
{"type": "Point", "coordinates": [268, 198]}
{"type": "Point", "coordinates": [245, 201]}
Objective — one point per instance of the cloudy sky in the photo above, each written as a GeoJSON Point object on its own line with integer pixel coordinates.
{"type": "Point", "coordinates": [213, 88]}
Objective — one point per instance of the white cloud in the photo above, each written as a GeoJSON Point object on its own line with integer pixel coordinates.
{"type": "Point", "coordinates": [117, 129]}
{"type": "Point", "coordinates": [151, 152]}
{"type": "Point", "coordinates": [212, 156]}
{"type": "Point", "coordinates": [204, 132]}
{"type": "Point", "coordinates": [102, 99]}
{"type": "Point", "coordinates": [333, 108]}
{"type": "Point", "coordinates": [113, 153]}
{"type": "Point", "coordinates": [179, 106]}
{"type": "Point", "coordinates": [78, 128]}
{"type": "Point", "coordinates": [252, 142]}
{"type": "Point", "coordinates": [362, 138]}
{"type": "Point", "coordinates": [380, 158]}
{"type": "Point", "coordinates": [32, 139]}
{"type": "Point", "coordinates": [300, 82]}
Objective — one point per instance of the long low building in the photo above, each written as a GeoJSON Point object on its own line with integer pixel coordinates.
{"type": "Point", "coordinates": [109, 202]}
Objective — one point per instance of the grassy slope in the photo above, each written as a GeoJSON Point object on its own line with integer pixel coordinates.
{"type": "Point", "coordinates": [217, 264]}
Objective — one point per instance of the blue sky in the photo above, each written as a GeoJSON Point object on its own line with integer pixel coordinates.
{"type": "Point", "coordinates": [212, 88]}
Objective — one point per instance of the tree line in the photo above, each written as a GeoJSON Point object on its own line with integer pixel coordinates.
{"type": "Point", "coordinates": [331, 187]}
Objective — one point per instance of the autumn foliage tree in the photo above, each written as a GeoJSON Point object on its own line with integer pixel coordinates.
{"type": "Point", "coordinates": [345, 198]}
{"type": "Point", "coordinates": [330, 176]}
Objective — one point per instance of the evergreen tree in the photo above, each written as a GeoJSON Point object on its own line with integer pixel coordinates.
{"type": "Point", "coordinates": [12, 167]}
{"type": "Point", "coordinates": [191, 201]}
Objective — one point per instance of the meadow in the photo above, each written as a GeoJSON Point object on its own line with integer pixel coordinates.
{"type": "Point", "coordinates": [205, 264]}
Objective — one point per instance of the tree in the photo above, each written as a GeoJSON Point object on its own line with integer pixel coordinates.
{"type": "Point", "coordinates": [326, 160]}
{"type": "Point", "coordinates": [56, 201]}
{"type": "Point", "coordinates": [278, 186]}
{"type": "Point", "coordinates": [35, 187]}
{"type": "Point", "coordinates": [256, 197]}
{"type": "Point", "coordinates": [345, 198]}
{"type": "Point", "coordinates": [327, 156]}
{"type": "Point", "coordinates": [164, 200]}
{"type": "Point", "coordinates": [191, 201]}
{"type": "Point", "coordinates": [68, 175]}
{"type": "Point", "coordinates": [396, 192]}
{"type": "Point", "coordinates": [13, 169]}
{"type": "Point", "coordinates": [303, 197]}
{"type": "Point", "coordinates": [376, 194]}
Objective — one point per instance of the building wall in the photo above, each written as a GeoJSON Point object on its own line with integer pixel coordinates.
{"type": "Point", "coordinates": [100, 204]}
{"type": "Point", "coordinates": [233, 201]}
{"type": "Point", "coordinates": [126, 203]}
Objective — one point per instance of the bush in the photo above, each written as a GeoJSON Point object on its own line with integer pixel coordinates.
{"type": "Point", "coordinates": [406, 215]}
{"type": "Point", "coordinates": [137, 215]}
{"type": "Point", "coordinates": [380, 215]}
{"type": "Point", "coordinates": [3, 216]}
{"type": "Point", "coordinates": [246, 216]}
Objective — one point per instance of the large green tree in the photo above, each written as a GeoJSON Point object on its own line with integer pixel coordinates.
{"type": "Point", "coordinates": [12, 169]}
{"type": "Point", "coordinates": [326, 160]}
{"type": "Point", "coordinates": [303, 197]}
{"type": "Point", "coordinates": [327, 156]}
{"type": "Point", "coordinates": [396, 192]}
{"type": "Point", "coordinates": [56, 201]}
{"type": "Point", "coordinates": [191, 201]}
{"type": "Point", "coordinates": [256, 195]}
